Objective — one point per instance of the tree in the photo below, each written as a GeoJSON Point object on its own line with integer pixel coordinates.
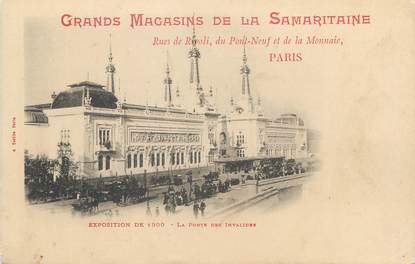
{"type": "Point", "coordinates": [38, 176]}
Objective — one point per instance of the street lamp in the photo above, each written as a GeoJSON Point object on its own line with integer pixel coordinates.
{"type": "Point", "coordinates": [145, 187]}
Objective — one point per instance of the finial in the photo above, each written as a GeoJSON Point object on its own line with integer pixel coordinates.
{"type": "Point", "coordinates": [244, 58]}
{"type": "Point", "coordinates": [194, 32]}
{"type": "Point", "coordinates": [110, 54]}
{"type": "Point", "coordinates": [167, 63]}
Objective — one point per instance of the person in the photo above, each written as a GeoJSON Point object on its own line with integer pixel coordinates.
{"type": "Point", "coordinates": [220, 186]}
{"type": "Point", "coordinates": [202, 208]}
{"type": "Point", "coordinates": [196, 209]}
{"type": "Point", "coordinates": [167, 209]}
{"type": "Point", "coordinates": [109, 213]}
{"type": "Point", "coordinates": [148, 212]}
{"type": "Point", "coordinates": [157, 211]}
{"type": "Point", "coordinates": [170, 189]}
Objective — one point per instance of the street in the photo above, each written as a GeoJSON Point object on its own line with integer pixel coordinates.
{"type": "Point", "coordinates": [236, 197]}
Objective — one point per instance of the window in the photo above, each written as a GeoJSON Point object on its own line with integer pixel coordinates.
{"type": "Point", "coordinates": [100, 162]}
{"type": "Point", "coordinates": [107, 162]}
{"type": "Point", "coordinates": [240, 153]}
{"type": "Point", "coordinates": [152, 159]}
{"type": "Point", "coordinates": [104, 136]}
{"type": "Point", "coordinates": [158, 159]}
{"type": "Point", "coordinates": [191, 157]}
{"type": "Point", "coordinates": [162, 159]}
{"type": "Point", "coordinates": [199, 157]}
{"type": "Point", "coordinates": [141, 160]}
{"type": "Point", "coordinates": [177, 158]}
{"type": "Point", "coordinates": [240, 139]}
{"type": "Point", "coordinates": [65, 135]}
{"type": "Point", "coordinates": [211, 156]}
{"type": "Point", "coordinates": [173, 161]}
{"type": "Point", "coordinates": [182, 157]}
{"type": "Point", "coordinates": [211, 137]}
{"type": "Point", "coordinates": [135, 160]}
{"type": "Point", "coordinates": [129, 161]}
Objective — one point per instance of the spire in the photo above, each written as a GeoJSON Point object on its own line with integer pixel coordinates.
{"type": "Point", "coordinates": [194, 55]}
{"type": "Point", "coordinates": [244, 58]}
{"type": "Point", "coordinates": [196, 91]}
{"type": "Point", "coordinates": [167, 85]}
{"type": "Point", "coordinates": [110, 70]}
{"type": "Point", "coordinates": [194, 40]}
{"type": "Point", "coordinates": [246, 89]}
{"type": "Point", "coordinates": [110, 54]}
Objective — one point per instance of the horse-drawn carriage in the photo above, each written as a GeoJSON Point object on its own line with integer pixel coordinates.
{"type": "Point", "coordinates": [223, 186]}
{"type": "Point", "coordinates": [178, 180]}
{"type": "Point", "coordinates": [85, 205]}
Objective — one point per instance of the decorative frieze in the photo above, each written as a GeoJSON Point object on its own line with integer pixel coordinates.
{"type": "Point", "coordinates": [149, 137]}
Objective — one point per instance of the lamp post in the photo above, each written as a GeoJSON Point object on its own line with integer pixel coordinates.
{"type": "Point", "coordinates": [145, 187]}
{"type": "Point", "coordinates": [190, 180]}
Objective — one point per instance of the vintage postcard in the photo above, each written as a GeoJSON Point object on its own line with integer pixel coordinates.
{"type": "Point", "coordinates": [207, 132]}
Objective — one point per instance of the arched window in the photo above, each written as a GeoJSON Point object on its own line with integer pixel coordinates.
{"type": "Point", "coordinates": [191, 157]}
{"type": "Point", "coordinates": [211, 156]}
{"type": "Point", "coordinates": [182, 158]}
{"type": "Point", "coordinates": [172, 159]}
{"type": "Point", "coordinates": [129, 161]}
{"type": "Point", "coordinates": [141, 160]}
{"type": "Point", "coordinates": [100, 162]}
{"type": "Point", "coordinates": [107, 162]}
{"type": "Point", "coordinates": [162, 159]}
{"type": "Point", "coordinates": [135, 160]}
{"type": "Point", "coordinates": [223, 138]}
{"type": "Point", "coordinates": [152, 159]}
{"type": "Point", "coordinates": [199, 156]}
{"type": "Point", "coordinates": [177, 158]}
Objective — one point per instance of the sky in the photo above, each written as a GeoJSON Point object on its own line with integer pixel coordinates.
{"type": "Point", "coordinates": [56, 56]}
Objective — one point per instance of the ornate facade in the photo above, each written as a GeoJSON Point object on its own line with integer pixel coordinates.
{"type": "Point", "coordinates": [109, 137]}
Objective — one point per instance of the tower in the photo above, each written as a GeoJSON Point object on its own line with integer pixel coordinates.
{"type": "Point", "coordinates": [167, 87]}
{"type": "Point", "coordinates": [110, 71]}
{"type": "Point", "coordinates": [245, 71]}
{"type": "Point", "coordinates": [196, 90]}
{"type": "Point", "coordinates": [246, 88]}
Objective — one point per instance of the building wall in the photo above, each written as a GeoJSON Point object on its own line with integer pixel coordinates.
{"type": "Point", "coordinates": [134, 133]}
{"type": "Point", "coordinates": [136, 136]}
{"type": "Point", "coordinates": [36, 139]}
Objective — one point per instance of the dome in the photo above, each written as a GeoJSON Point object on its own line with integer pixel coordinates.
{"type": "Point", "coordinates": [74, 96]}
{"type": "Point", "coordinates": [34, 115]}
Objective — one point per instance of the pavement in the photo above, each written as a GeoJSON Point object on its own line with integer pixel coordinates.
{"type": "Point", "coordinates": [214, 204]}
